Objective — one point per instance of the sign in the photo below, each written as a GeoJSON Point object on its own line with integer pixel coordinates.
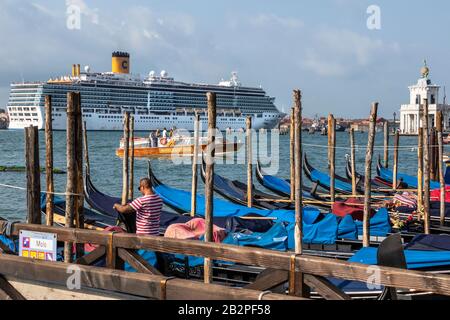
{"type": "Point", "coordinates": [37, 245]}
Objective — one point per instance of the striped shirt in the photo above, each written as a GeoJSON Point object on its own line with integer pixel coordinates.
{"type": "Point", "coordinates": [148, 212]}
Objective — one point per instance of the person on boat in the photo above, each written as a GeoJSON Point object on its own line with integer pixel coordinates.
{"type": "Point", "coordinates": [152, 139]}
{"type": "Point", "coordinates": [164, 133]}
{"type": "Point", "coordinates": [147, 208]}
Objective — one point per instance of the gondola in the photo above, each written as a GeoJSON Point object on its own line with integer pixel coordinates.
{"type": "Point", "coordinates": [378, 183]}
{"type": "Point", "coordinates": [282, 188]}
{"type": "Point", "coordinates": [411, 181]}
{"type": "Point", "coordinates": [236, 192]}
{"type": "Point", "coordinates": [342, 185]}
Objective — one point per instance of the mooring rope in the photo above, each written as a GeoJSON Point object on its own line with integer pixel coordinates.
{"type": "Point", "coordinates": [46, 192]}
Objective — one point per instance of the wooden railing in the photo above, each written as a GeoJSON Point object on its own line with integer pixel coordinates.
{"type": "Point", "coordinates": [118, 245]}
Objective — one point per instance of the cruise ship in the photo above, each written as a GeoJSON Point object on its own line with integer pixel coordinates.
{"type": "Point", "coordinates": [156, 101]}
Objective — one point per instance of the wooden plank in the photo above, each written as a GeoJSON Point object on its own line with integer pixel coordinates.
{"type": "Point", "coordinates": [325, 288]}
{"type": "Point", "coordinates": [249, 162]}
{"type": "Point", "coordinates": [386, 143]}
{"type": "Point", "coordinates": [125, 164]}
{"type": "Point", "coordinates": [131, 183]}
{"type": "Point", "coordinates": [137, 284]}
{"type": "Point", "coordinates": [8, 291]}
{"type": "Point", "coordinates": [420, 173]}
{"type": "Point", "coordinates": [33, 175]}
{"type": "Point", "coordinates": [49, 161]}
{"type": "Point", "coordinates": [194, 185]}
{"type": "Point", "coordinates": [291, 153]}
{"type": "Point", "coordinates": [395, 169]}
{"type": "Point", "coordinates": [137, 262]}
{"type": "Point", "coordinates": [439, 284]}
{"type": "Point", "coordinates": [440, 160]}
{"type": "Point", "coordinates": [353, 161]}
{"type": "Point", "coordinates": [368, 175]}
{"type": "Point", "coordinates": [209, 185]}
{"type": "Point", "coordinates": [426, 169]}
{"type": "Point", "coordinates": [92, 256]}
{"type": "Point", "coordinates": [269, 279]}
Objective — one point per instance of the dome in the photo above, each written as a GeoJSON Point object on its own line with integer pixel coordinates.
{"type": "Point", "coordinates": [425, 71]}
{"type": "Point", "coordinates": [152, 74]}
{"type": "Point", "coordinates": [164, 73]}
{"type": "Point", "coordinates": [87, 69]}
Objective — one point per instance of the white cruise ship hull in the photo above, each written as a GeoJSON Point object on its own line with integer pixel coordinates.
{"type": "Point", "coordinates": [114, 122]}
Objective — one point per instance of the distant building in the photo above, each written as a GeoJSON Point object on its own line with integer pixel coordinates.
{"type": "Point", "coordinates": [411, 114]}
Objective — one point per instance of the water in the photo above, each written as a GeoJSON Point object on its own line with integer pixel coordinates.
{"type": "Point", "coordinates": [106, 168]}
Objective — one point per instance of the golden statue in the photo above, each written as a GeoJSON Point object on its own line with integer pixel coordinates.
{"type": "Point", "coordinates": [425, 70]}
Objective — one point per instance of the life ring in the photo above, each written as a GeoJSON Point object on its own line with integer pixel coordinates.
{"type": "Point", "coordinates": [163, 141]}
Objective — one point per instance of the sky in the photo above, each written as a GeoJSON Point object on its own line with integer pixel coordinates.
{"type": "Point", "coordinates": [324, 48]}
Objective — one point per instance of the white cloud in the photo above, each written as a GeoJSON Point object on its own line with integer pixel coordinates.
{"type": "Point", "coordinates": [268, 20]}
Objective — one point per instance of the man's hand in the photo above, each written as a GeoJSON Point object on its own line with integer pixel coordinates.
{"type": "Point", "coordinates": [116, 206]}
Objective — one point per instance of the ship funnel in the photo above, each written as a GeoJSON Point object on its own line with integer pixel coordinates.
{"type": "Point", "coordinates": [74, 70]}
{"type": "Point", "coordinates": [121, 62]}
{"type": "Point", "coordinates": [78, 70]}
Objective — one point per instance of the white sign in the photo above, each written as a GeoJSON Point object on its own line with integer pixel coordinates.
{"type": "Point", "coordinates": [37, 245]}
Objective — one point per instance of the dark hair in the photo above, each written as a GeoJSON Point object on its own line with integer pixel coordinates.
{"type": "Point", "coordinates": [146, 182]}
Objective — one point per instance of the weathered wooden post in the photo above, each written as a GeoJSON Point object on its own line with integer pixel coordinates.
{"type": "Point", "coordinates": [439, 126]}
{"type": "Point", "coordinates": [386, 144]}
{"type": "Point", "coordinates": [426, 168]}
{"type": "Point", "coordinates": [249, 163]}
{"type": "Point", "coordinates": [432, 153]}
{"type": "Point", "coordinates": [131, 185]}
{"type": "Point", "coordinates": [49, 197]}
{"type": "Point", "coordinates": [395, 170]}
{"type": "Point", "coordinates": [195, 166]}
{"type": "Point", "coordinates": [292, 151]}
{"type": "Point", "coordinates": [332, 158]}
{"type": "Point", "coordinates": [71, 187]}
{"type": "Point", "coordinates": [126, 154]}
{"type": "Point", "coordinates": [86, 148]}
{"type": "Point", "coordinates": [33, 175]}
{"type": "Point", "coordinates": [209, 191]}
{"type": "Point", "coordinates": [329, 125]}
{"type": "Point", "coordinates": [353, 161]}
{"type": "Point", "coordinates": [368, 175]}
{"type": "Point", "coordinates": [79, 198]}
{"type": "Point", "coordinates": [297, 285]}
{"type": "Point", "coordinates": [420, 173]}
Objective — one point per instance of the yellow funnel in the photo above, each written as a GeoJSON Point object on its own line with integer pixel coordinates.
{"type": "Point", "coordinates": [120, 62]}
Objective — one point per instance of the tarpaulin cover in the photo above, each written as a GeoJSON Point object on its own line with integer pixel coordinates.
{"type": "Point", "coordinates": [431, 242]}
{"type": "Point", "coordinates": [353, 207]}
{"type": "Point", "coordinates": [181, 200]}
{"type": "Point", "coordinates": [415, 259]}
{"type": "Point", "coordinates": [379, 224]}
{"type": "Point", "coordinates": [193, 229]}
{"type": "Point", "coordinates": [324, 179]}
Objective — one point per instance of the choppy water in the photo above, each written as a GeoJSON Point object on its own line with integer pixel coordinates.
{"type": "Point", "coordinates": [106, 168]}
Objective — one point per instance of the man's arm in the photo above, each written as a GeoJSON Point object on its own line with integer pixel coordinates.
{"type": "Point", "coordinates": [126, 209]}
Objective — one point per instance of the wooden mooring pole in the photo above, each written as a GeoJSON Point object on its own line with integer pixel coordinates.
{"type": "Point", "coordinates": [395, 170]}
{"type": "Point", "coordinates": [86, 148]}
{"type": "Point", "coordinates": [33, 175]}
{"type": "Point", "coordinates": [292, 151]}
{"type": "Point", "coordinates": [297, 284]}
{"type": "Point", "coordinates": [209, 191]}
{"type": "Point", "coordinates": [368, 175]}
{"type": "Point", "coordinates": [249, 163]}
{"type": "Point", "coordinates": [49, 197]}
{"type": "Point", "coordinates": [386, 144]}
{"type": "Point", "coordinates": [126, 155]}
{"type": "Point", "coordinates": [79, 199]}
{"type": "Point", "coordinates": [71, 187]}
{"type": "Point", "coordinates": [131, 184]}
{"type": "Point", "coordinates": [420, 173]}
{"type": "Point", "coordinates": [439, 126]}
{"type": "Point", "coordinates": [433, 153]}
{"type": "Point", "coordinates": [426, 168]}
{"type": "Point", "coordinates": [353, 160]}
{"type": "Point", "coordinates": [195, 166]}
{"type": "Point", "coordinates": [332, 158]}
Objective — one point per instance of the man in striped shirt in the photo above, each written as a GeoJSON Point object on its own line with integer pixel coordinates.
{"type": "Point", "coordinates": [147, 208]}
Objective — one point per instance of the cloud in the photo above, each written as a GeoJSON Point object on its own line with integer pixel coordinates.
{"type": "Point", "coordinates": [339, 52]}
{"type": "Point", "coordinates": [269, 20]}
